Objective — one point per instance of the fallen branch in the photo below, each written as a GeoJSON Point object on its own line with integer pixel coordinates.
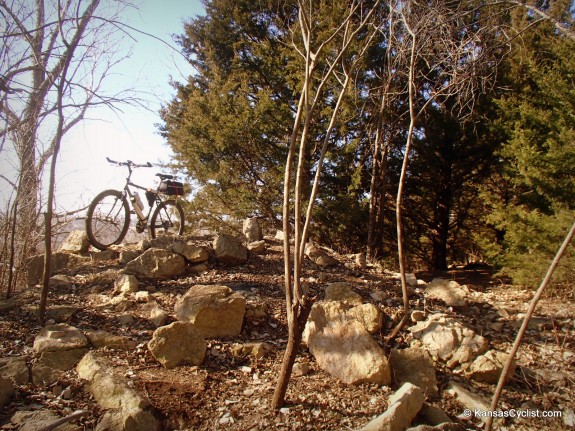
{"type": "Point", "coordinates": [77, 414]}
{"type": "Point", "coordinates": [524, 325]}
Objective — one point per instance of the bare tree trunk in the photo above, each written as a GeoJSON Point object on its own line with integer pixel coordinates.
{"type": "Point", "coordinates": [399, 199]}
{"type": "Point", "coordinates": [298, 305]}
{"type": "Point", "coordinates": [71, 47]}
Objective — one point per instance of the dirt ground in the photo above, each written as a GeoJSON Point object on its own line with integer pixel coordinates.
{"type": "Point", "coordinates": [233, 392]}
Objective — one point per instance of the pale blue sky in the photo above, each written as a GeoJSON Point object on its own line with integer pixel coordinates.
{"type": "Point", "coordinates": [82, 169]}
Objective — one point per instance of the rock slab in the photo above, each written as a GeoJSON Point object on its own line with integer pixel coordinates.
{"type": "Point", "coordinates": [403, 406]}
{"type": "Point", "coordinates": [342, 345]}
{"type": "Point", "coordinates": [130, 411]}
{"type": "Point", "coordinates": [179, 343]}
{"type": "Point", "coordinates": [215, 310]}
{"type": "Point", "coordinates": [229, 250]}
{"type": "Point", "coordinates": [449, 340]}
{"type": "Point", "coordinates": [414, 365]}
{"type": "Point", "coordinates": [157, 263]}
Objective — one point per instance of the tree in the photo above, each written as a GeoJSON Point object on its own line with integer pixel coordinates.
{"type": "Point", "coordinates": [327, 34]}
{"type": "Point", "coordinates": [531, 201]}
{"type": "Point", "coordinates": [55, 58]}
{"type": "Point", "coordinates": [229, 123]}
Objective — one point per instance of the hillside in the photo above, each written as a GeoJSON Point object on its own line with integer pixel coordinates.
{"type": "Point", "coordinates": [232, 387]}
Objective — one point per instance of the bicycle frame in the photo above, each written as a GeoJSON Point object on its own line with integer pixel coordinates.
{"type": "Point", "coordinates": [141, 224]}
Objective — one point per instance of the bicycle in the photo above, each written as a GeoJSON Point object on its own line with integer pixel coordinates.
{"type": "Point", "coordinates": [108, 217]}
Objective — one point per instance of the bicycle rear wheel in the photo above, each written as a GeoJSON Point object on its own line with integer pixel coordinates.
{"type": "Point", "coordinates": [168, 219]}
{"type": "Point", "coordinates": [108, 219]}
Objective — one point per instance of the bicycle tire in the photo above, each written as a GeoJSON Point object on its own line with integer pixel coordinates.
{"type": "Point", "coordinates": [108, 219]}
{"type": "Point", "coordinates": [168, 218]}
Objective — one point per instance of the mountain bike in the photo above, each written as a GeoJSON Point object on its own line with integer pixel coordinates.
{"type": "Point", "coordinates": [108, 217]}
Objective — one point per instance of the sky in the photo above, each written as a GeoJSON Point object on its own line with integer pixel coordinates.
{"type": "Point", "coordinates": [82, 169]}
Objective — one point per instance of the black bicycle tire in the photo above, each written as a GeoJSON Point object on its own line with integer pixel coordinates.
{"type": "Point", "coordinates": [161, 206]}
{"type": "Point", "coordinates": [89, 216]}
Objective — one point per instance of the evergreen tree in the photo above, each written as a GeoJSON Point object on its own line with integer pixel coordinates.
{"type": "Point", "coordinates": [533, 203]}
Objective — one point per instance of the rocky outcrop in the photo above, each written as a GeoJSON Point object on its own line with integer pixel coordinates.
{"type": "Point", "coordinates": [157, 263]}
{"type": "Point", "coordinates": [342, 345]}
{"type": "Point", "coordinates": [229, 250]}
{"type": "Point", "coordinates": [127, 409]}
{"type": "Point", "coordinates": [216, 311]}
{"type": "Point", "coordinates": [449, 340]}
{"type": "Point", "coordinates": [179, 343]}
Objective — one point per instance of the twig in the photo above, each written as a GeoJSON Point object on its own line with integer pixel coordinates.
{"type": "Point", "coordinates": [77, 414]}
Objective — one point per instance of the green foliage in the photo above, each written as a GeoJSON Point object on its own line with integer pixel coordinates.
{"type": "Point", "coordinates": [533, 203]}
{"type": "Point", "coordinates": [499, 185]}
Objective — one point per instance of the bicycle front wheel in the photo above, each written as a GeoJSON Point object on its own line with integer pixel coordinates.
{"type": "Point", "coordinates": [108, 219]}
{"type": "Point", "coordinates": [168, 219]}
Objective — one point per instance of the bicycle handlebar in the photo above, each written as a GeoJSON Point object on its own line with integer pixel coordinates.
{"type": "Point", "coordinates": [129, 163]}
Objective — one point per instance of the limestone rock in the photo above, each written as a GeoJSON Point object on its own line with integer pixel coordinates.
{"type": "Point", "coordinates": [468, 399]}
{"type": "Point", "coordinates": [319, 256]}
{"type": "Point", "coordinates": [252, 229]}
{"type": "Point", "coordinates": [342, 346]}
{"type": "Point", "coordinates": [126, 283]}
{"type": "Point", "coordinates": [448, 291]}
{"type": "Point", "coordinates": [156, 314]}
{"type": "Point", "coordinates": [76, 242]}
{"type": "Point", "coordinates": [131, 411]}
{"type": "Point", "coordinates": [179, 343]}
{"type": "Point", "coordinates": [128, 255]}
{"type": "Point", "coordinates": [104, 255]}
{"type": "Point", "coordinates": [100, 339]}
{"type": "Point", "coordinates": [403, 406]}
{"type": "Point", "coordinates": [60, 281]}
{"type": "Point", "coordinates": [369, 316]}
{"type": "Point", "coordinates": [16, 369]}
{"type": "Point", "coordinates": [216, 311]}
{"type": "Point", "coordinates": [257, 247]}
{"type": "Point", "coordinates": [487, 368]}
{"type": "Point", "coordinates": [414, 365]}
{"type": "Point", "coordinates": [257, 349]}
{"type": "Point", "coordinates": [229, 250]}
{"type": "Point", "coordinates": [51, 364]}
{"type": "Point", "coordinates": [449, 340]}
{"type": "Point", "coordinates": [59, 337]}
{"type": "Point", "coordinates": [36, 266]}
{"type": "Point", "coordinates": [191, 252]}
{"type": "Point", "coordinates": [35, 420]}
{"type": "Point", "coordinates": [157, 263]}
{"type": "Point", "coordinates": [342, 292]}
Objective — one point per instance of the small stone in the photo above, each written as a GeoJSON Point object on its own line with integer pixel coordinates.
{"type": "Point", "coordinates": [417, 316]}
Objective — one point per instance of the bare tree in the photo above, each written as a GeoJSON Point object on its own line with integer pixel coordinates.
{"type": "Point", "coordinates": [55, 57]}
{"type": "Point", "coordinates": [446, 66]}
{"type": "Point", "coordinates": [330, 50]}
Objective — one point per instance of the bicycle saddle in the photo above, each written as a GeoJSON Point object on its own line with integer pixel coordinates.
{"type": "Point", "coordinates": [165, 176]}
